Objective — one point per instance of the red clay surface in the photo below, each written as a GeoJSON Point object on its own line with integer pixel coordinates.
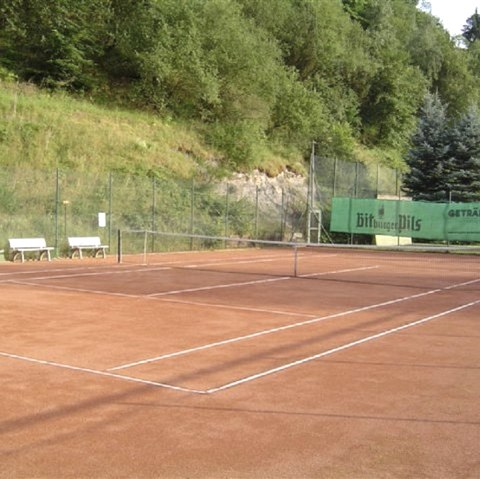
{"type": "Point", "coordinates": [222, 365]}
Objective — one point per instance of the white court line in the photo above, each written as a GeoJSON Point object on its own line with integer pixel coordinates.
{"type": "Point", "coordinates": [254, 376]}
{"type": "Point", "coordinates": [217, 286]}
{"type": "Point", "coordinates": [98, 273]}
{"type": "Point", "coordinates": [351, 270]}
{"type": "Point", "coordinates": [233, 260]}
{"type": "Point", "coordinates": [339, 348]}
{"type": "Point", "coordinates": [257, 281]}
{"type": "Point", "coordinates": [55, 270]}
{"type": "Point", "coordinates": [268, 331]}
{"type": "Point", "coordinates": [100, 373]}
{"type": "Point", "coordinates": [74, 290]}
{"type": "Point", "coordinates": [288, 326]}
{"type": "Point", "coordinates": [239, 308]}
{"type": "Point", "coordinates": [169, 300]}
{"type": "Point", "coordinates": [258, 259]}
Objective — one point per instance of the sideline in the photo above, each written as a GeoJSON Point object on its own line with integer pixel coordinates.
{"type": "Point", "coordinates": [340, 348]}
{"type": "Point", "coordinates": [248, 378]}
{"type": "Point", "coordinates": [290, 326]}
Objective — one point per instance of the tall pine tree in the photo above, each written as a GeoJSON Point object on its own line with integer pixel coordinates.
{"type": "Point", "coordinates": [464, 158]}
{"type": "Point", "coordinates": [426, 179]}
{"type": "Point", "coordinates": [471, 31]}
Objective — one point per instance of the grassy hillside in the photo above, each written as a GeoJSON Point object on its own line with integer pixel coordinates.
{"type": "Point", "coordinates": [48, 130]}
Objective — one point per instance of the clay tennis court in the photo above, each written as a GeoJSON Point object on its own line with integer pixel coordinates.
{"type": "Point", "coordinates": [223, 365]}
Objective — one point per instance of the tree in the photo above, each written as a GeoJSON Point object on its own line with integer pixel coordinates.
{"type": "Point", "coordinates": [471, 31]}
{"type": "Point", "coordinates": [55, 43]}
{"type": "Point", "coordinates": [463, 167]}
{"type": "Point", "coordinates": [426, 179]}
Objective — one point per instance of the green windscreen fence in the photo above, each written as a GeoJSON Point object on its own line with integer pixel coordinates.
{"type": "Point", "coordinates": [413, 219]}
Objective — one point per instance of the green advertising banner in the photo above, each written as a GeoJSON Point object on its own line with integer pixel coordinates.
{"type": "Point", "coordinates": [413, 219]}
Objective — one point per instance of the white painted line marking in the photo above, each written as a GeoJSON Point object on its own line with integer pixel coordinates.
{"type": "Point", "coordinates": [75, 290]}
{"type": "Point", "coordinates": [257, 281]}
{"type": "Point", "coordinates": [288, 326]}
{"type": "Point", "coordinates": [218, 286]}
{"type": "Point", "coordinates": [254, 376]}
{"type": "Point", "coordinates": [238, 308]}
{"type": "Point", "coordinates": [351, 270]}
{"type": "Point", "coordinates": [339, 348]}
{"type": "Point", "coordinates": [98, 273]}
{"type": "Point", "coordinates": [166, 299]}
{"type": "Point", "coordinates": [258, 259]}
{"type": "Point", "coordinates": [100, 373]}
{"type": "Point", "coordinates": [68, 268]}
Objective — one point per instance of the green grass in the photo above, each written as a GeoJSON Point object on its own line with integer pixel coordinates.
{"type": "Point", "coordinates": [49, 130]}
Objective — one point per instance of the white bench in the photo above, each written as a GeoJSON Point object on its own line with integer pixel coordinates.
{"type": "Point", "coordinates": [90, 243]}
{"type": "Point", "coordinates": [20, 246]}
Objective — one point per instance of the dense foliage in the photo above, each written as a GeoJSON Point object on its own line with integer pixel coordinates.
{"type": "Point", "coordinates": [252, 74]}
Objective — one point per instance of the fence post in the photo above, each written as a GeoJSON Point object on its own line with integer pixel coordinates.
{"type": "Point", "coordinates": [192, 208]}
{"type": "Point", "coordinates": [110, 201]}
{"type": "Point", "coordinates": [355, 186]}
{"type": "Point", "coordinates": [226, 211]}
{"type": "Point", "coordinates": [256, 212]}
{"type": "Point", "coordinates": [335, 177]}
{"type": "Point", "coordinates": [57, 201]}
{"type": "Point", "coordinates": [154, 205]}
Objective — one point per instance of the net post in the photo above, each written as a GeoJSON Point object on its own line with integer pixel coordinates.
{"type": "Point", "coordinates": [119, 246]}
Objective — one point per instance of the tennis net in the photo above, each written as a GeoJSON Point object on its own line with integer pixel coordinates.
{"type": "Point", "coordinates": [293, 259]}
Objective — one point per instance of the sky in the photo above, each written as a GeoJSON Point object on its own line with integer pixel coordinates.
{"type": "Point", "coordinates": [454, 13]}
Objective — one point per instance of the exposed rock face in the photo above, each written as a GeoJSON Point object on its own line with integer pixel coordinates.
{"type": "Point", "coordinates": [275, 189]}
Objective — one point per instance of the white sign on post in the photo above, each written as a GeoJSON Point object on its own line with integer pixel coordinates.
{"type": "Point", "coordinates": [102, 220]}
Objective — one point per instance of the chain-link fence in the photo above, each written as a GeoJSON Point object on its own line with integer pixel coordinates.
{"type": "Point", "coordinates": [334, 177]}
{"type": "Point", "coordinates": [57, 204]}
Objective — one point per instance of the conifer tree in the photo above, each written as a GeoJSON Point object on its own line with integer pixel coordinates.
{"type": "Point", "coordinates": [471, 31]}
{"type": "Point", "coordinates": [427, 158]}
{"type": "Point", "coordinates": [463, 167]}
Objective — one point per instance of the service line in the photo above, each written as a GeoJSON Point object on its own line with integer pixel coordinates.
{"type": "Point", "coordinates": [256, 281]}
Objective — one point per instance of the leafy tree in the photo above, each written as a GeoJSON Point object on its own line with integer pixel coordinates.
{"type": "Point", "coordinates": [426, 178]}
{"type": "Point", "coordinates": [55, 42]}
{"type": "Point", "coordinates": [397, 86]}
{"type": "Point", "coordinates": [252, 75]}
{"type": "Point", "coordinates": [463, 166]}
{"type": "Point", "coordinates": [389, 112]}
{"type": "Point", "coordinates": [427, 45]}
{"type": "Point", "coordinates": [456, 84]}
